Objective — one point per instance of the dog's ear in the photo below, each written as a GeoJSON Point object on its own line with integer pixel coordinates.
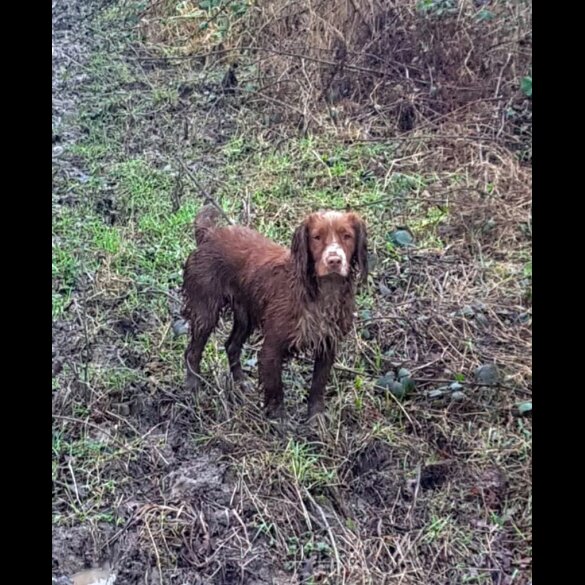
{"type": "Point", "coordinates": [303, 261]}
{"type": "Point", "coordinates": [360, 254]}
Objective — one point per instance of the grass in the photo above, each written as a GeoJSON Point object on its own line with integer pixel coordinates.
{"type": "Point", "coordinates": [389, 490]}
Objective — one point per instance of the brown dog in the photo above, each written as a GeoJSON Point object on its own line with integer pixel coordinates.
{"type": "Point", "coordinates": [302, 299]}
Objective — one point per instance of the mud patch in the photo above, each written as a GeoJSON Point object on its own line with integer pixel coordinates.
{"type": "Point", "coordinates": [77, 548]}
{"type": "Point", "coordinates": [131, 325]}
{"type": "Point", "coordinates": [489, 485]}
{"type": "Point", "coordinates": [200, 480]}
{"type": "Point", "coordinates": [106, 207]}
{"type": "Point", "coordinates": [375, 456]}
{"type": "Point", "coordinates": [376, 482]}
{"type": "Point", "coordinates": [434, 476]}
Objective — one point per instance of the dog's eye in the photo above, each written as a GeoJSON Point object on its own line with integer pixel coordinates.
{"type": "Point", "coordinates": [347, 236]}
{"type": "Point", "coordinates": [317, 237]}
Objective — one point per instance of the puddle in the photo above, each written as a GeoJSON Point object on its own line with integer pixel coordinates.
{"type": "Point", "coordinates": [94, 577]}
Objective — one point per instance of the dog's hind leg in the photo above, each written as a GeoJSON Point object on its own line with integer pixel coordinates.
{"type": "Point", "coordinates": [240, 332]}
{"type": "Point", "coordinates": [203, 319]}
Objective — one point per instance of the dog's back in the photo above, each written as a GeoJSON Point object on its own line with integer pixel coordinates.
{"type": "Point", "coordinates": [230, 263]}
{"type": "Point", "coordinates": [231, 250]}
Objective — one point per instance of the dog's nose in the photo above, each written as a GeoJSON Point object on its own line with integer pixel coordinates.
{"type": "Point", "coordinates": [334, 262]}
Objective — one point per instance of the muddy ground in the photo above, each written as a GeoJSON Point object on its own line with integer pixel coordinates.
{"type": "Point", "coordinates": [167, 487]}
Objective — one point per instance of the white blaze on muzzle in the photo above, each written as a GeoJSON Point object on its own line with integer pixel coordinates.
{"type": "Point", "coordinates": [335, 260]}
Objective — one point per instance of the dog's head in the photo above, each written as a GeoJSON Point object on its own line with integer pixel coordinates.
{"type": "Point", "coordinates": [330, 243]}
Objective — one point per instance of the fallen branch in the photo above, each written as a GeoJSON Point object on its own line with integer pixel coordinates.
{"type": "Point", "coordinates": [206, 196]}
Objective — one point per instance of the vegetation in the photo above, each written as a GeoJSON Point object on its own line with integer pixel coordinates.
{"type": "Point", "coordinates": [418, 114]}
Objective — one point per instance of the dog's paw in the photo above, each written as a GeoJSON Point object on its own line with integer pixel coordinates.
{"type": "Point", "coordinates": [279, 422]}
{"type": "Point", "coordinates": [275, 413]}
{"type": "Point", "coordinates": [245, 385]}
{"type": "Point", "coordinates": [318, 419]}
{"type": "Point", "coordinates": [191, 382]}
{"type": "Point", "coordinates": [316, 410]}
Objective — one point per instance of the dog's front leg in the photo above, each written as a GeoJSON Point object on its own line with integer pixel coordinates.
{"type": "Point", "coordinates": [270, 370]}
{"type": "Point", "coordinates": [324, 358]}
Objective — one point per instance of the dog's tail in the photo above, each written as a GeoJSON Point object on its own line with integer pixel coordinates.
{"type": "Point", "coordinates": [205, 221]}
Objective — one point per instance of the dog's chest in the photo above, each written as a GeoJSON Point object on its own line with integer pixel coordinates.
{"type": "Point", "coordinates": [326, 320]}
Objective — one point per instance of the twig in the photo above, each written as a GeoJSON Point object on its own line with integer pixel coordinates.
{"type": "Point", "coordinates": [422, 199]}
{"type": "Point", "coordinates": [274, 52]}
{"type": "Point", "coordinates": [414, 495]}
{"type": "Point", "coordinates": [156, 553]}
{"type": "Point", "coordinates": [501, 75]}
{"type": "Point", "coordinates": [280, 103]}
{"type": "Point", "coordinates": [433, 380]}
{"type": "Point", "coordinates": [73, 419]}
{"type": "Point", "coordinates": [74, 484]}
{"type": "Point", "coordinates": [496, 385]}
{"type": "Point", "coordinates": [206, 196]}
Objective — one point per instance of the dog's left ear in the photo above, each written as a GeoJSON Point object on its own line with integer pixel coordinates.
{"type": "Point", "coordinates": [302, 259]}
{"type": "Point", "coordinates": [360, 255]}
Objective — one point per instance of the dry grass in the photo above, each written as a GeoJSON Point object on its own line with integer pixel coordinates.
{"type": "Point", "coordinates": [369, 68]}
